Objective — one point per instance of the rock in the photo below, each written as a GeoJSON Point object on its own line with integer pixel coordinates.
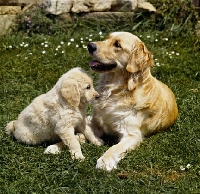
{"type": "Point", "coordinates": [58, 7]}
{"type": "Point", "coordinates": [83, 6]}
{"type": "Point", "coordinates": [108, 15]}
{"type": "Point", "coordinates": [30, 1]}
{"type": "Point", "coordinates": [91, 5]}
{"type": "Point", "coordinates": [6, 23]}
{"type": "Point", "coordinates": [147, 6]}
{"type": "Point", "coordinates": [123, 5]}
{"type": "Point", "coordinates": [4, 10]}
{"type": "Point", "coordinates": [66, 17]}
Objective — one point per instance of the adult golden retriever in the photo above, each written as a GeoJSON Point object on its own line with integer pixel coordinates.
{"type": "Point", "coordinates": [132, 103]}
{"type": "Point", "coordinates": [55, 115]}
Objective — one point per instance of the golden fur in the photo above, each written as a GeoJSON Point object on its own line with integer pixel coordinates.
{"type": "Point", "coordinates": [54, 116]}
{"type": "Point", "coordinates": [132, 103]}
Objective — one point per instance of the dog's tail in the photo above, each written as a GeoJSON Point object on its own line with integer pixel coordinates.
{"type": "Point", "coordinates": [10, 128]}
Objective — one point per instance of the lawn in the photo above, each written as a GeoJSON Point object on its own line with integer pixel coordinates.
{"type": "Point", "coordinates": [168, 162]}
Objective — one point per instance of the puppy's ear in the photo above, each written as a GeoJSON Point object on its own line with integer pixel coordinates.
{"type": "Point", "coordinates": [71, 93]}
{"type": "Point", "coordinates": [140, 58]}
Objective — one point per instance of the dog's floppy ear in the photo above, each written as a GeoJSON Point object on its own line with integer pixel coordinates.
{"type": "Point", "coordinates": [71, 93]}
{"type": "Point", "coordinates": [140, 58]}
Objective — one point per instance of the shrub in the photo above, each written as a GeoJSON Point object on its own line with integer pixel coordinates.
{"type": "Point", "coordinates": [38, 21]}
{"type": "Point", "coordinates": [175, 13]}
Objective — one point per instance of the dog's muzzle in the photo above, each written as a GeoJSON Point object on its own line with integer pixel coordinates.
{"type": "Point", "coordinates": [97, 97]}
{"type": "Point", "coordinates": [92, 48]}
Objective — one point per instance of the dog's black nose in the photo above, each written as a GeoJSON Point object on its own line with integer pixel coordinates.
{"type": "Point", "coordinates": [92, 47]}
{"type": "Point", "coordinates": [97, 97]}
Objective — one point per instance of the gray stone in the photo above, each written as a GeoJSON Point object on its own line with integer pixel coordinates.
{"type": "Point", "coordinates": [108, 15]}
{"type": "Point", "coordinates": [4, 10]}
{"type": "Point", "coordinates": [147, 6]}
{"type": "Point", "coordinates": [58, 7]}
{"type": "Point", "coordinates": [6, 23]}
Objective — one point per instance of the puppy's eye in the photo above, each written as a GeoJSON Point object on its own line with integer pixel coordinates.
{"type": "Point", "coordinates": [88, 87]}
{"type": "Point", "coordinates": [116, 44]}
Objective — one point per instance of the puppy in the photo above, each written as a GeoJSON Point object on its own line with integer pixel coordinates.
{"type": "Point", "coordinates": [56, 115]}
{"type": "Point", "coordinates": [132, 103]}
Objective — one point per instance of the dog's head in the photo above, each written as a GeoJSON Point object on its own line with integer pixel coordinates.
{"type": "Point", "coordinates": [77, 87]}
{"type": "Point", "coordinates": [121, 50]}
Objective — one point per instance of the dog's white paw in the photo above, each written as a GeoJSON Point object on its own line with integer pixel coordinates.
{"type": "Point", "coordinates": [106, 163]}
{"type": "Point", "coordinates": [81, 138]}
{"type": "Point", "coordinates": [77, 156]}
{"type": "Point", "coordinates": [98, 142]}
{"type": "Point", "coordinates": [52, 149]}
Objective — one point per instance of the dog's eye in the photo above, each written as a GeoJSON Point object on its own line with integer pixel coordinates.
{"type": "Point", "coordinates": [116, 44]}
{"type": "Point", "coordinates": [88, 87]}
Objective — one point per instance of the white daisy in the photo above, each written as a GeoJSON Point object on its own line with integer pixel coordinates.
{"type": "Point", "coordinates": [188, 166]}
{"type": "Point", "coordinates": [182, 168]}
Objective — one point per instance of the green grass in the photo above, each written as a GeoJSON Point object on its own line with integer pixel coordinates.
{"type": "Point", "coordinates": [154, 167]}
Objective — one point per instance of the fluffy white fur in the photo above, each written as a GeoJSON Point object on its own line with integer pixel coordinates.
{"type": "Point", "coordinates": [56, 115]}
{"type": "Point", "coordinates": [132, 103]}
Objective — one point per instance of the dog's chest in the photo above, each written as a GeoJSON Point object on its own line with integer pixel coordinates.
{"type": "Point", "coordinates": [111, 110]}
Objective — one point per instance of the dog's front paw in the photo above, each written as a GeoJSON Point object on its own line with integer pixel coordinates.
{"type": "Point", "coordinates": [52, 149]}
{"type": "Point", "coordinates": [98, 142]}
{"type": "Point", "coordinates": [106, 163]}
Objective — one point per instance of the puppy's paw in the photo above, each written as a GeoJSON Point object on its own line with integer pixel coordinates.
{"type": "Point", "coordinates": [52, 149]}
{"type": "Point", "coordinates": [81, 138]}
{"type": "Point", "coordinates": [106, 163]}
{"type": "Point", "coordinates": [77, 156]}
{"type": "Point", "coordinates": [98, 142]}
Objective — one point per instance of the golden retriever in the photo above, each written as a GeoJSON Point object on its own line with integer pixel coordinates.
{"type": "Point", "coordinates": [54, 116]}
{"type": "Point", "coordinates": [132, 103]}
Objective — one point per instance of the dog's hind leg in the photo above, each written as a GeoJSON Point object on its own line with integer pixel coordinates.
{"type": "Point", "coordinates": [54, 149]}
{"type": "Point", "coordinates": [10, 128]}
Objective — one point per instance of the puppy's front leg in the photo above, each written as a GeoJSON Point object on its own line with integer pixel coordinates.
{"type": "Point", "coordinates": [114, 154]}
{"type": "Point", "coordinates": [68, 138]}
{"type": "Point", "coordinates": [89, 134]}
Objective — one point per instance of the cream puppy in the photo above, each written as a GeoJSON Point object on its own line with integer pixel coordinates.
{"type": "Point", "coordinates": [56, 115]}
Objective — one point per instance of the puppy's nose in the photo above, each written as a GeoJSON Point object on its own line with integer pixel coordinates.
{"type": "Point", "coordinates": [92, 47]}
{"type": "Point", "coordinates": [97, 97]}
